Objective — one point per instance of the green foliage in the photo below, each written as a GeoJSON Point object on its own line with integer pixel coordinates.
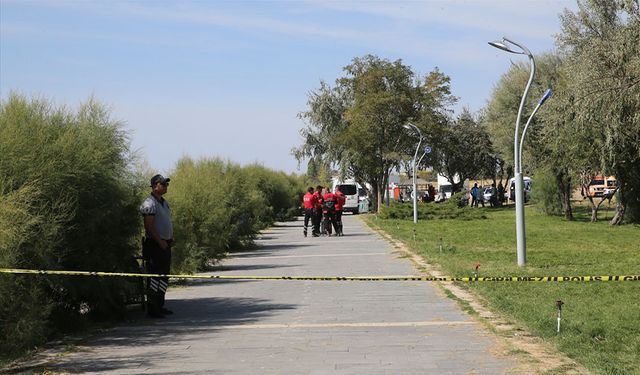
{"type": "Point", "coordinates": [545, 193]}
{"type": "Point", "coordinates": [606, 90]}
{"type": "Point", "coordinates": [462, 149]}
{"type": "Point", "coordinates": [67, 201]}
{"type": "Point", "coordinates": [600, 320]}
{"type": "Point", "coordinates": [358, 124]}
{"type": "Point", "coordinates": [449, 209]}
{"type": "Point", "coordinates": [219, 206]}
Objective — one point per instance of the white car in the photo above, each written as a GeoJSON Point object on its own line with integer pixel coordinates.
{"type": "Point", "coordinates": [486, 195]}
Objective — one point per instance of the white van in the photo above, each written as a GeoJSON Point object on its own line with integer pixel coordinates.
{"type": "Point", "coordinates": [353, 194]}
{"type": "Point", "coordinates": [444, 188]}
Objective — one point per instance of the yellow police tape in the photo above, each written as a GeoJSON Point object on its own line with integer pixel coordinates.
{"type": "Point", "coordinates": [328, 278]}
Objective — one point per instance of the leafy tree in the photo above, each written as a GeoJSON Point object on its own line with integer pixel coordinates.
{"type": "Point", "coordinates": [601, 42]}
{"type": "Point", "coordinates": [358, 124]}
{"type": "Point", "coordinates": [463, 150]}
{"type": "Point", "coordinates": [545, 144]}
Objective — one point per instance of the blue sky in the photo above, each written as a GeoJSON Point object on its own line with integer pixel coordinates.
{"type": "Point", "coordinates": [227, 78]}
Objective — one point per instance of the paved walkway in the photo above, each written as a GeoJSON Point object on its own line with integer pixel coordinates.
{"type": "Point", "coordinates": [300, 327]}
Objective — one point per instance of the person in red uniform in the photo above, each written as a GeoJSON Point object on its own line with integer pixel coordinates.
{"type": "Point", "coordinates": [329, 212]}
{"type": "Point", "coordinates": [309, 202]}
{"type": "Point", "coordinates": [317, 214]}
{"type": "Point", "coordinates": [340, 199]}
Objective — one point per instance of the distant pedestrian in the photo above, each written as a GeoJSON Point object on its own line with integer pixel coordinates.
{"type": "Point", "coordinates": [474, 195]}
{"type": "Point", "coordinates": [317, 211]}
{"type": "Point", "coordinates": [309, 209]}
{"type": "Point", "coordinates": [328, 212]}
{"type": "Point", "coordinates": [500, 194]}
{"type": "Point", "coordinates": [493, 196]}
{"type": "Point", "coordinates": [340, 199]}
{"type": "Point", "coordinates": [432, 192]}
{"type": "Point", "coordinates": [157, 244]}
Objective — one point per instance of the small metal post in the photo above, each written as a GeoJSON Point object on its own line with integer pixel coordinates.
{"type": "Point", "coordinates": [559, 304]}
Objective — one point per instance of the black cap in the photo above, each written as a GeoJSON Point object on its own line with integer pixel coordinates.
{"type": "Point", "coordinates": [159, 179]}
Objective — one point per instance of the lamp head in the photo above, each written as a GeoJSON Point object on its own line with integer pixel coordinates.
{"type": "Point", "coordinates": [504, 45]}
{"type": "Point", "coordinates": [500, 45]}
{"type": "Point", "coordinates": [547, 95]}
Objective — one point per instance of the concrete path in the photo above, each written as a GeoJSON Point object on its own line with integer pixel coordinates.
{"type": "Point", "coordinates": [300, 327]}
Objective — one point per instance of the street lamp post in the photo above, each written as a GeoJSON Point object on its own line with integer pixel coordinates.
{"type": "Point", "coordinates": [415, 155]}
{"type": "Point", "coordinates": [521, 245]}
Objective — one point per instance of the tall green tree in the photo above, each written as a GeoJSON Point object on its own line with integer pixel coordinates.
{"type": "Point", "coordinates": [602, 42]}
{"type": "Point", "coordinates": [463, 150]}
{"type": "Point", "coordinates": [545, 146]}
{"type": "Point", "coordinates": [358, 124]}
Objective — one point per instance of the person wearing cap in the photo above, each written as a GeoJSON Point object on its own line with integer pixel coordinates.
{"type": "Point", "coordinates": [156, 248]}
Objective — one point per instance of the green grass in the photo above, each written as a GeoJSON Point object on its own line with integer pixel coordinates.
{"type": "Point", "coordinates": [600, 322]}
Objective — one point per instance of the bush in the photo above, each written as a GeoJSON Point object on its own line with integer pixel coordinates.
{"type": "Point", "coordinates": [219, 207]}
{"type": "Point", "coordinates": [449, 209]}
{"type": "Point", "coordinates": [67, 201]}
{"type": "Point", "coordinates": [545, 193]}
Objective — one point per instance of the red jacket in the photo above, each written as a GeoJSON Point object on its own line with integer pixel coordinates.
{"type": "Point", "coordinates": [319, 200]}
{"type": "Point", "coordinates": [309, 200]}
{"type": "Point", "coordinates": [340, 198]}
{"type": "Point", "coordinates": [329, 197]}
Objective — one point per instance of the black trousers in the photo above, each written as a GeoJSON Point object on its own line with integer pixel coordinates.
{"type": "Point", "coordinates": [338, 222]}
{"type": "Point", "coordinates": [308, 215]}
{"type": "Point", "coordinates": [158, 262]}
{"type": "Point", "coordinates": [316, 219]}
{"type": "Point", "coordinates": [329, 218]}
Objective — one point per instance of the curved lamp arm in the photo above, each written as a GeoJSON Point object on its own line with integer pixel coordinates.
{"type": "Point", "coordinates": [547, 94]}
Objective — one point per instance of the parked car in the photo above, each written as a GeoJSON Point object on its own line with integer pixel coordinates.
{"type": "Point", "coordinates": [486, 194]}
{"type": "Point", "coordinates": [490, 195]}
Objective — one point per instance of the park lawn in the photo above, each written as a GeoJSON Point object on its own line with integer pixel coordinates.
{"type": "Point", "coordinates": [601, 320]}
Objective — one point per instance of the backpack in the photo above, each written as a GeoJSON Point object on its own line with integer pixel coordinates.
{"type": "Point", "coordinates": [330, 205]}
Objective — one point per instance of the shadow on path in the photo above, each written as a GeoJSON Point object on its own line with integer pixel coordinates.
{"type": "Point", "coordinates": [170, 336]}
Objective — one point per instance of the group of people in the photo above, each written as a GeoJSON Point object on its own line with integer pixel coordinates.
{"type": "Point", "coordinates": [430, 194]}
{"type": "Point", "coordinates": [496, 195]}
{"type": "Point", "coordinates": [427, 196]}
{"type": "Point", "coordinates": [324, 209]}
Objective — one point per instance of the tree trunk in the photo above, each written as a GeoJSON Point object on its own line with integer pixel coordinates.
{"type": "Point", "coordinates": [617, 218]}
{"type": "Point", "coordinates": [385, 184]}
{"type": "Point", "coordinates": [594, 210]}
{"type": "Point", "coordinates": [376, 193]}
{"type": "Point", "coordinates": [564, 189]}
{"type": "Point", "coordinates": [620, 208]}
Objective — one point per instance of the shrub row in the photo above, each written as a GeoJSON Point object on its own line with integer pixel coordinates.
{"type": "Point", "coordinates": [449, 209]}
{"type": "Point", "coordinates": [219, 206]}
{"type": "Point", "coordinates": [69, 200]}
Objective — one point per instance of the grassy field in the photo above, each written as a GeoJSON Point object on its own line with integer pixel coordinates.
{"type": "Point", "coordinates": [601, 321]}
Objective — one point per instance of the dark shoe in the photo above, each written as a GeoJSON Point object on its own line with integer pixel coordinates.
{"type": "Point", "coordinates": [166, 311]}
